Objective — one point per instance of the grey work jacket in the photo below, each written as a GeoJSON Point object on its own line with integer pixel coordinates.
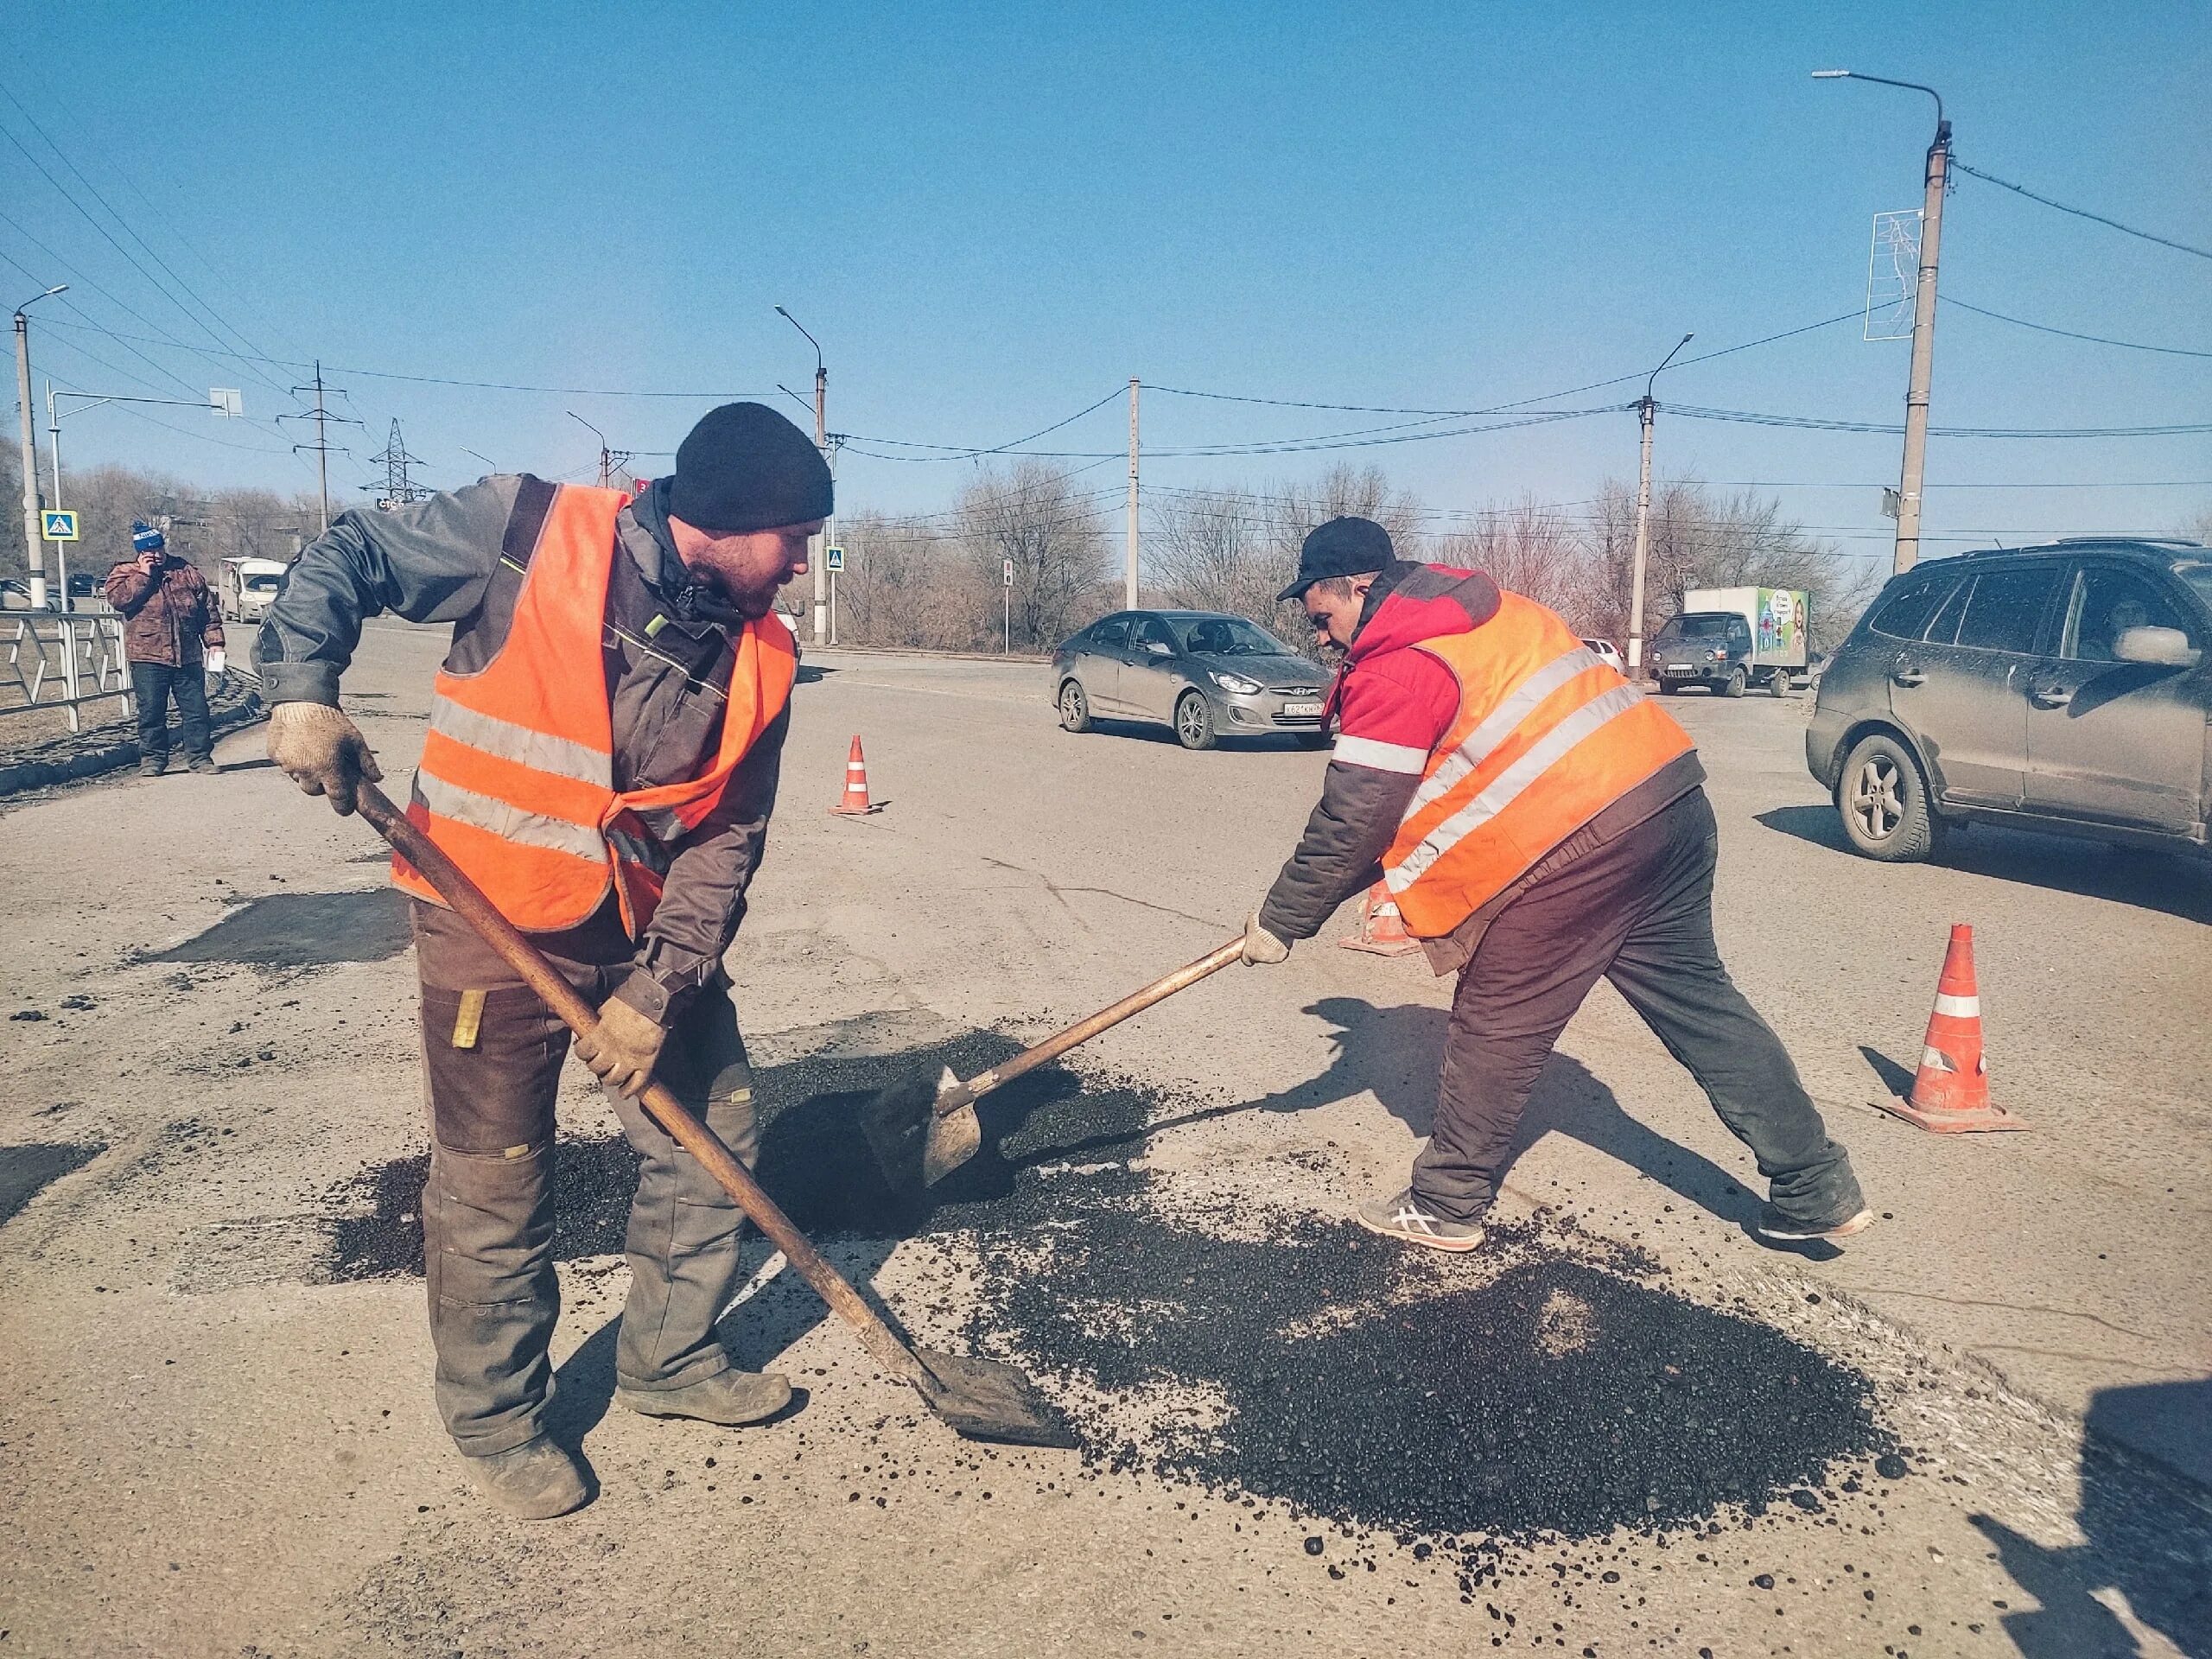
{"type": "Point", "coordinates": [667, 668]}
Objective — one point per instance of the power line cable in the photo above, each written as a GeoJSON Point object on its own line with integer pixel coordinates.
{"type": "Point", "coordinates": [1821, 425]}
{"type": "Point", "coordinates": [69, 197]}
{"type": "Point", "coordinates": [2080, 212]}
{"type": "Point", "coordinates": [2069, 333]}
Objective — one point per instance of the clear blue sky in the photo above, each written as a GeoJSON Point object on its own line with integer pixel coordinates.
{"type": "Point", "coordinates": [991, 219]}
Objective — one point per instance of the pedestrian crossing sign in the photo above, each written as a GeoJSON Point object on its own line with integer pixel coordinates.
{"type": "Point", "coordinates": [836, 558]}
{"type": "Point", "coordinates": [59, 526]}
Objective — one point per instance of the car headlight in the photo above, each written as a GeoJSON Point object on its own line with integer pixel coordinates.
{"type": "Point", "coordinates": [1237, 683]}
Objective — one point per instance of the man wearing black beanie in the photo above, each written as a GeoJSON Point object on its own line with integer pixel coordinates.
{"type": "Point", "coordinates": [605, 740]}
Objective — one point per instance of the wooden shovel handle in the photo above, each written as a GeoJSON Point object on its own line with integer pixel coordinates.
{"type": "Point", "coordinates": [1082, 1031]}
{"type": "Point", "coordinates": [469, 903]}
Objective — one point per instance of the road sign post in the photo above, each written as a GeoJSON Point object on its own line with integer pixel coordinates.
{"type": "Point", "coordinates": [1005, 608]}
{"type": "Point", "coordinates": [833, 559]}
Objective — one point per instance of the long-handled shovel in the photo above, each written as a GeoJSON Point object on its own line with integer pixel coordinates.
{"type": "Point", "coordinates": [922, 1131]}
{"type": "Point", "coordinates": [981, 1399]}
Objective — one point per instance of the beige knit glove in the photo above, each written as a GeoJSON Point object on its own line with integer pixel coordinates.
{"type": "Point", "coordinates": [321, 750]}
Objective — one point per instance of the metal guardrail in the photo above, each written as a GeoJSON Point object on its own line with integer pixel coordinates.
{"type": "Point", "coordinates": [63, 662]}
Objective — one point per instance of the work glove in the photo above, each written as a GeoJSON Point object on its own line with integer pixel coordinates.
{"type": "Point", "coordinates": [321, 750]}
{"type": "Point", "coordinates": [1261, 948]}
{"type": "Point", "coordinates": [621, 1049]}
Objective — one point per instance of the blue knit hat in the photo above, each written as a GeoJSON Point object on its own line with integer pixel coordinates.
{"type": "Point", "coordinates": [145, 539]}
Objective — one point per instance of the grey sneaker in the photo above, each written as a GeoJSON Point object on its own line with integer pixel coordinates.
{"type": "Point", "coordinates": [732, 1398]}
{"type": "Point", "coordinates": [150, 767]}
{"type": "Point", "coordinates": [533, 1482]}
{"type": "Point", "coordinates": [1772, 1223]}
{"type": "Point", "coordinates": [1407, 1217]}
{"type": "Point", "coordinates": [203, 763]}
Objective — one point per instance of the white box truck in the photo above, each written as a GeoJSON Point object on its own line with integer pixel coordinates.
{"type": "Point", "coordinates": [250, 586]}
{"type": "Point", "coordinates": [1731, 638]}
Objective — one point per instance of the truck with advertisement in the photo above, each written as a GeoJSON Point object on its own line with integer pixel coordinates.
{"type": "Point", "coordinates": [250, 586]}
{"type": "Point", "coordinates": [1729, 639]}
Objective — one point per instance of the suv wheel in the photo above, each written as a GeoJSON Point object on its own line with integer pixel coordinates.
{"type": "Point", "coordinates": [1194, 721]}
{"type": "Point", "coordinates": [1733, 685]}
{"type": "Point", "coordinates": [1778, 683]}
{"type": "Point", "coordinates": [1075, 708]}
{"type": "Point", "coordinates": [1882, 800]}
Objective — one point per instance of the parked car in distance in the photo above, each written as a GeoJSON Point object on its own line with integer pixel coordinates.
{"type": "Point", "coordinates": [1607, 654]}
{"type": "Point", "coordinates": [1205, 675]}
{"type": "Point", "coordinates": [2063, 687]}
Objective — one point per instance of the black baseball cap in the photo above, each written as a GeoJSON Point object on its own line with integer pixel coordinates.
{"type": "Point", "coordinates": [1342, 547]}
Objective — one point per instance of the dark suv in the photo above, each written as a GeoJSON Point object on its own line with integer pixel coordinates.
{"type": "Point", "coordinates": [2061, 687]}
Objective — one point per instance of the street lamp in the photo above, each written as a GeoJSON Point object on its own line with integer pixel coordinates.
{"type": "Point", "coordinates": [489, 463]}
{"type": "Point", "coordinates": [1923, 319]}
{"type": "Point", "coordinates": [1645, 411]}
{"type": "Point", "coordinates": [821, 443]}
{"type": "Point", "coordinates": [605, 455]}
{"type": "Point", "coordinates": [33, 544]}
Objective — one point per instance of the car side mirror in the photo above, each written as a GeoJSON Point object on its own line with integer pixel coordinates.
{"type": "Point", "coordinates": [2162, 647]}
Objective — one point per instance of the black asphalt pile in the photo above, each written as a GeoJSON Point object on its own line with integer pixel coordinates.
{"type": "Point", "coordinates": [1549, 1383]}
{"type": "Point", "coordinates": [1357, 1381]}
{"type": "Point", "coordinates": [302, 930]}
{"type": "Point", "coordinates": [594, 1181]}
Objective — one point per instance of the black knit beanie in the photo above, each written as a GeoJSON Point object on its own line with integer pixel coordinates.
{"type": "Point", "coordinates": [744, 467]}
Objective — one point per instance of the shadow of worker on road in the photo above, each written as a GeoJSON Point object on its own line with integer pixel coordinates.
{"type": "Point", "coordinates": [2146, 1533]}
{"type": "Point", "coordinates": [1395, 1052]}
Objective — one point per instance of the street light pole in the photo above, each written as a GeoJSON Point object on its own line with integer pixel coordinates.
{"type": "Point", "coordinates": [33, 544]}
{"type": "Point", "coordinates": [821, 629]}
{"type": "Point", "coordinates": [1913, 469]}
{"type": "Point", "coordinates": [1646, 412]}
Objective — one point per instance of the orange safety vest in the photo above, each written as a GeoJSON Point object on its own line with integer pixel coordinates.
{"type": "Point", "coordinates": [1546, 737]}
{"type": "Point", "coordinates": [517, 779]}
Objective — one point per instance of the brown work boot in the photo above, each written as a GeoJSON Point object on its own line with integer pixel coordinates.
{"type": "Point", "coordinates": [534, 1481]}
{"type": "Point", "coordinates": [732, 1397]}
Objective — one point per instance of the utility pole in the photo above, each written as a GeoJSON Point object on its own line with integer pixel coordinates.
{"type": "Point", "coordinates": [1129, 576]}
{"type": "Point", "coordinates": [818, 559]}
{"type": "Point", "coordinates": [33, 544]}
{"type": "Point", "coordinates": [323, 419]}
{"type": "Point", "coordinates": [609, 458]}
{"type": "Point", "coordinates": [1646, 411]}
{"type": "Point", "coordinates": [1912, 471]}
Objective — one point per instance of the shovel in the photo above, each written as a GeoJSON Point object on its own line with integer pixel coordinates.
{"type": "Point", "coordinates": [921, 1131]}
{"type": "Point", "coordinates": [981, 1399]}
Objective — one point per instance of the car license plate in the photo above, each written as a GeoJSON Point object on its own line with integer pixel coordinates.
{"type": "Point", "coordinates": [1310, 710]}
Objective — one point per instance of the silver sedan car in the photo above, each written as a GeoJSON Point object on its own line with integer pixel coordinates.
{"type": "Point", "coordinates": [1204, 675]}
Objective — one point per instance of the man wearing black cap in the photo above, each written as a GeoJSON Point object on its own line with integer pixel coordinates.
{"type": "Point", "coordinates": [1540, 825]}
{"type": "Point", "coordinates": [604, 739]}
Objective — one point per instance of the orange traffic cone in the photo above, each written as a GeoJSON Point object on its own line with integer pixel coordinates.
{"type": "Point", "coordinates": [1382, 930]}
{"type": "Point", "coordinates": [1950, 1093]}
{"type": "Point", "coordinates": [854, 802]}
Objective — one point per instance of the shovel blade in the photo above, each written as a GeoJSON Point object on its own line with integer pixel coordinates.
{"type": "Point", "coordinates": [986, 1400]}
{"type": "Point", "coordinates": [912, 1145]}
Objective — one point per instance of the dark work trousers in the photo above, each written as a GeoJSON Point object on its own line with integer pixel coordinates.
{"type": "Point", "coordinates": [492, 1069]}
{"type": "Point", "coordinates": [153, 684]}
{"type": "Point", "coordinates": [1636, 909]}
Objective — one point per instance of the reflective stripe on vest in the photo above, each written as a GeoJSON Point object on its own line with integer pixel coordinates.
{"type": "Point", "coordinates": [1547, 736]}
{"type": "Point", "coordinates": [516, 778]}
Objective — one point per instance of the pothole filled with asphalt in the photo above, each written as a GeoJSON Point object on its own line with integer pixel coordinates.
{"type": "Point", "coordinates": [1548, 1383]}
{"type": "Point", "coordinates": [301, 929]}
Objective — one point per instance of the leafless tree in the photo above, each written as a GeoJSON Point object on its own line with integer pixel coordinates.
{"type": "Point", "coordinates": [1032, 515]}
{"type": "Point", "coordinates": [1534, 550]}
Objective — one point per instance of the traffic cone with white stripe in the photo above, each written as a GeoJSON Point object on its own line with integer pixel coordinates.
{"type": "Point", "coordinates": [1381, 928]}
{"type": "Point", "coordinates": [854, 802]}
{"type": "Point", "coordinates": [1950, 1092]}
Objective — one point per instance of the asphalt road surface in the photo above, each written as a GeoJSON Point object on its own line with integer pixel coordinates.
{"type": "Point", "coordinates": [1984, 1428]}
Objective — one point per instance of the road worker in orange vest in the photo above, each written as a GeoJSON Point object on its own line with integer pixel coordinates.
{"type": "Point", "coordinates": [1541, 825]}
{"type": "Point", "coordinates": [602, 754]}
